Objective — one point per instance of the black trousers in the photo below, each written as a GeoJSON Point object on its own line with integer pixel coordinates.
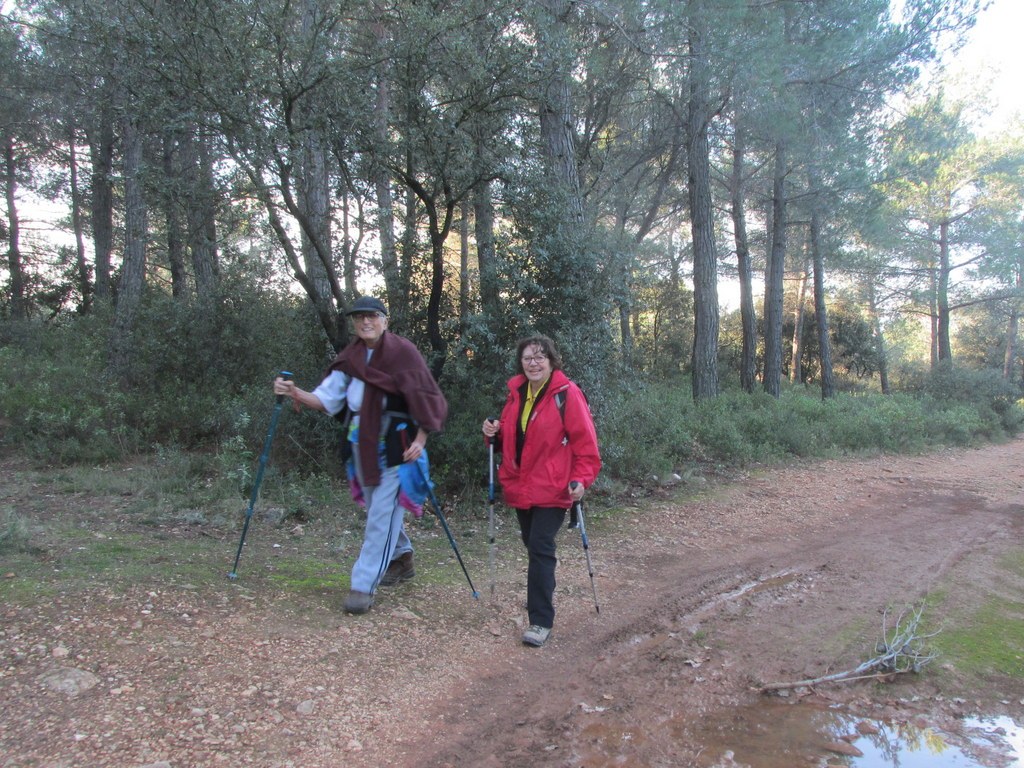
{"type": "Point", "coordinates": [538, 527]}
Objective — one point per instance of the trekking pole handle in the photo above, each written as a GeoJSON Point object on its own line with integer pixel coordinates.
{"type": "Point", "coordinates": [574, 510]}
{"type": "Point", "coordinates": [286, 375]}
{"type": "Point", "coordinates": [491, 438]}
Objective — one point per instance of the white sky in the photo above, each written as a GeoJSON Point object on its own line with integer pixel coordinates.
{"type": "Point", "coordinates": [992, 62]}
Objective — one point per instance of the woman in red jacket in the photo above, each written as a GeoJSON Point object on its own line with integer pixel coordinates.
{"type": "Point", "coordinates": [549, 457]}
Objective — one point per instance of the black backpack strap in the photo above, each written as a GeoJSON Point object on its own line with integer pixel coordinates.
{"type": "Point", "coordinates": [560, 402]}
{"type": "Point", "coordinates": [560, 398]}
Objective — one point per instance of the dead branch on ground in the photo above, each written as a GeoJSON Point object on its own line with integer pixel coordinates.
{"type": "Point", "coordinates": [901, 650]}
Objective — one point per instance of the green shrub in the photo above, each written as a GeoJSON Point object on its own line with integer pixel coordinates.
{"type": "Point", "coordinates": [200, 385]}
{"type": "Point", "coordinates": [197, 377]}
{"type": "Point", "coordinates": [646, 431]}
{"type": "Point", "coordinates": [984, 390]}
{"type": "Point", "coordinates": [56, 403]}
{"type": "Point", "coordinates": [14, 532]}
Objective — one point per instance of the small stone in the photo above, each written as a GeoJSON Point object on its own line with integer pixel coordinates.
{"type": "Point", "coordinates": [842, 748]}
{"type": "Point", "coordinates": [69, 681]}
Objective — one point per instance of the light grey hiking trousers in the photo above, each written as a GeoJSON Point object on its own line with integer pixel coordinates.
{"type": "Point", "coordinates": [384, 537]}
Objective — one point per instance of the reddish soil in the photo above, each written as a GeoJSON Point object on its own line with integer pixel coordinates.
{"type": "Point", "coordinates": [778, 576]}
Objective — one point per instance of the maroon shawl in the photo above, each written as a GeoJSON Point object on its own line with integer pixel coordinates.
{"type": "Point", "coordinates": [396, 367]}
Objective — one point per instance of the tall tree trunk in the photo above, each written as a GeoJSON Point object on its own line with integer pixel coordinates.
{"type": "Point", "coordinates": [439, 224]}
{"type": "Point", "coordinates": [464, 209]}
{"type": "Point", "coordinates": [942, 294]}
{"type": "Point", "coordinates": [410, 246]}
{"type": "Point", "coordinates": [933, 299]}
{"type": "Point", "coordinates": [77, 225]}
{"type": "Point", "coordinates": [314, 189]}
{"type": "Point", "coordinates": [748, 317]}
{"type": "Point", "coordinates": [558, 138]}
{"type": "Point", "coordinates": [380, 175]}
{"type": "Point", "coordinates": [201, 213]}
{"type": "Point", "coordinates": [572, 309]}
{"type": "Point", "coordinates": [876, 324]}
{"type": "Point", "coordinates": [828, 387]}
{"type": "Point", "coordinates": [101, 151]}
{"type": "Point", "coordinates": [795, 359]}
{"type": "Point", "coordinates": [483, 218]}
{"type": "Point", "coordinates": [773, 279]}
{"type": "Point", "coordinates": [329, 318]}
{"type": "Point", "coordinates": [626, 334]}
{"type": "Point", "coordinates": [311, 203]}
{"type": "Point", "coordinates": [349, 271]}
{"type": "Point", "coordinates": [705, 264]}
{"type": "Point", "coordinates": [622, 294]}
{"type": "Point", "coordinates": [438, 234]}
{"type": "Point", "coordinates": [173, 187]}
{"type": "Point", "coordinates": [15, 264]}
{"type": "Point", "coordinates": [1012, 324]}
{"type": "Point", "coordinates": [133, 265]}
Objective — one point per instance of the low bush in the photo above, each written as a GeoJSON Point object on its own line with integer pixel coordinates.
{"type": "Point", "coordinates": [14, 532]}
{"type": "Point", "coordinates": [209, 393]}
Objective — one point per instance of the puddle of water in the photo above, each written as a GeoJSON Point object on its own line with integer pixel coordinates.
{"type": "Point", "coordinates": [981, 743]}
{"type": "Point", "coordinates": [782, 735]}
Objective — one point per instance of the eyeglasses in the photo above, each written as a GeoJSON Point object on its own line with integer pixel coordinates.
{"type": "Point", "coordinates": [538, 358]}
{"type": "Point", "coordinates": [357, 316]}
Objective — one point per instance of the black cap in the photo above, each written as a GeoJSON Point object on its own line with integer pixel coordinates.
{"type": "Point", "coordinates": [367, 304]}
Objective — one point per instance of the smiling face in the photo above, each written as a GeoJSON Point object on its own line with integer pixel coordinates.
{"type": "Point", "coordinates": [369, 326]}
{"type": "Point", "coordinates": [536, 365]}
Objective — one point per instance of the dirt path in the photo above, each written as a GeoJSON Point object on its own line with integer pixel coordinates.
{"type": "Point", "coordinates": [777, 577]}
{"type": "Point", "coordinates": [780, 578]}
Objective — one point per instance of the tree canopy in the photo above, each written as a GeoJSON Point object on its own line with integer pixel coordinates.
{"type": "Point", "coordinates": [588, 171]}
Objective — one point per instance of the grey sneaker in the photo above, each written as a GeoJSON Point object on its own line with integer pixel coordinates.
{"type": "Point", "coordinates": [536, 635]}
{"type": "Point", "coordinates": [401, 569]}
{"type": "Point", "coordinates": [358, 602]}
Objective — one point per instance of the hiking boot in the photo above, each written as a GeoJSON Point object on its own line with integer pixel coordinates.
{"type": "Point", "coordinates": [401, 569]}
{"type": "Point", "coordinates": [358, 602]}
{"type": "Point", "coordinates": [536, 635]}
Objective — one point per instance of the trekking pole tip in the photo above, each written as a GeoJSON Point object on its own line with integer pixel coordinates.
{"type": "Point", "coordinates": [232, 575]}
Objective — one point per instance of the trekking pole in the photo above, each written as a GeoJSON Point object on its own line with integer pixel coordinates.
{"type": "Point", "coordinates": [447, 530]}
{"type": "Point", "coordinates": [577, 514]}
{"type": "Point", "coordinates": [490, 513]}
{"type": "Point", "coordinates": [259, 475]}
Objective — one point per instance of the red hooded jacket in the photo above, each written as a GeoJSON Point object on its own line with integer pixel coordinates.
{"type": "Point", "coordinates": [555, 453]}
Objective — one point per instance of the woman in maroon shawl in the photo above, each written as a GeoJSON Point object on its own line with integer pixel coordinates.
{"type": "Point", "coordinates": [383, 382]}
